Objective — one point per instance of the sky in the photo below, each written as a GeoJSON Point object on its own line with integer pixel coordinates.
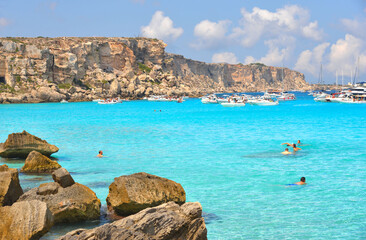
{"type": "Point", "coordinates": [304, 35]}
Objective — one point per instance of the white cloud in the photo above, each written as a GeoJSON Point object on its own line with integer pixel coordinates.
{"type": "Point", "coordinates": [344, 55]}
{"type": "Point", "coordinates": [4, 22]}
{"type": "Point", "coordinates": [309, 61]}
{"type": "Point", "coordinates": [224, 57]}
{"type": "Point", "coordinates": [312, 31]}
{"type": "Point", "coordinates": [210, 34]}
{"type": "Point", "coordinates": [289, 20]}
{"type": "Point", "coordinates": [279, 50]}
{"type": "Point", "coordinates": [355, 27]}
{"type": "Point", "coordinates": [161, 27]}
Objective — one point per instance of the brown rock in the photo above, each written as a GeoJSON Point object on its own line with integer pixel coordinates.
{"type": "Point", "coordinates": [10, 189]}
{"type": "Point", "coordinates": [25, 220]}
{"type": "Point", "coordinates": [63, 177]}
{"type": "Point", "coordinates": [72, 204]}
{"type": "Point", "coordinates": [38, 163]}
{"type": "Point", "coordinates": [165, 222]}
{"type": "Point", "coordinates": [133, 193]}
{"type": "Point", "coordinates": [21, 144]}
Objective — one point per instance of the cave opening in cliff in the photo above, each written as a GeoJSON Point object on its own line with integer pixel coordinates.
{"type": "Point", "coordinates": [2, 71]}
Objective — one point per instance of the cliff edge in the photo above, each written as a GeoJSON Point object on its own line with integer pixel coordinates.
{"type": "Point", "coordinates": [80, 69]}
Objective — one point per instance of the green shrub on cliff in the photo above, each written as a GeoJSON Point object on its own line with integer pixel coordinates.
{"type": "Point", "coordinates": [6, 88]}
{"type": "Point", "coordinates": [64, 85]}
{"type": "Point", "coordinates": [144, 68]}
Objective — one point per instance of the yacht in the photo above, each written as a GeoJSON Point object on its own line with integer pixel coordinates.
{"type": "Point", "coordinates": [209, 99]}
{"type": "Point", "coordinates": [286, 96]}
{"type": "Point", "coordinates": [263, 101]}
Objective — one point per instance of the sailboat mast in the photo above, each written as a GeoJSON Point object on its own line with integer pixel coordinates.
{"type": "Point", "coordinates": [336, 79]}
{"type": "Point", "coordinates": [342, 79]}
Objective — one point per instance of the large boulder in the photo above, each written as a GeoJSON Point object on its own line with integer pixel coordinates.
{"type": "Point", "coordinates": [165, 222]}
{"type": "Point", "coordinates": [25, 220]}
{"type": "Point", "coordinates": [71, 204]}
{"type": "Point", "coordinates": [38, 163]}
{"type": "Point", "coordinates": [133, 193]}
{"type": "Point", "coordinates": [10, 189]}
{"type": "Point", "coordinates": [21, 144]}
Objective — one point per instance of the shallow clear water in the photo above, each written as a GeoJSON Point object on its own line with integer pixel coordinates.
{"type": "Point", "coordinates": [228, 159]}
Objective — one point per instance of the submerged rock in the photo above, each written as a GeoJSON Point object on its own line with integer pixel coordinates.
{"type": "Point", "coordinates": [165, 222]}
{"type": "Point", "coordinates": [38, 163]}
{"type": "Point", "coordinates": [10, 189]}
{"type": "Point", "coordinates": [63, 177]}
{"type": "Point", "coordinates": [71, 204]}
{"type": "Point", "coordinates": [21, 144]}
{"type": "Point", "coordinates": [25, 220]}
{"type": "Point", "coordinates": [133, 193]}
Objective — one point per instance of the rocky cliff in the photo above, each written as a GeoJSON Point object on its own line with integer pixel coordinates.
{"type": "Point", "coordinates": [80, 69]}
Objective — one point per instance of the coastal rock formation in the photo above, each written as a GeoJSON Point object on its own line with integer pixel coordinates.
{"type": "Point", "coordinates": [25, 220]}
{"type": "Point", "coordinates": [38, 163]}
{"type": "Point", "coordinates": [165, 222]}
{"type": "Point", "coordinates": [63, 177]}
{"type": "Point", "coordinates": [10, 189]}
{"type": "Point", "coordinates": [73, 203]}
{"type": "Point", "coordinates": [132, 193]}
{"type": "Point", "coordinates": [21, 144]}
{"type": "Point", "coordinates": [81, 69]}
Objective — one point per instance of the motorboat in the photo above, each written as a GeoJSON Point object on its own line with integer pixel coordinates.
{"type": "Point", "coordinates": [233, 104]}
{"type": "Point", "coordinates": [209, 99]}
{"type": "Point", "coordinates": [285, 96]}
{"type": "Point", "coordinates": [97, 100]}
{"type": "Point", "coordinates": [263, 101]}
{"type": "Point", "coordinates": [322, 97]}
{"type": "Point", "coordinates": [110, 101]}
{"type": "Point", "coordinates": [162, 98]}
{"type": "Point", "coordinates": [64, 101]}
{"type": "Point", "coordinates": [273, 93]}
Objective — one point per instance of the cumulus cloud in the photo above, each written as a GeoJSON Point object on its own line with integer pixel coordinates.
{"type": "Point", "coordinates": [4, 22]}
{"type": "Point", "coordinates": [224, 57]}
{"type": "Point", "coordinates": [291, 20]}
{"type": "Point", "coordinates": [355, 27]}
{"type": "Point", "coordinates": [161, 27]}
{"type": "Point", "coordinates": [279, 50]}
{"type": "Point", "coordinates": [210, 34]}
{"type": "Point", "coordinates": [312, 31]}
{"type": "Point", "coordinates": [345, 53]}
{"type": "Point", "coordinates": [310, 60]}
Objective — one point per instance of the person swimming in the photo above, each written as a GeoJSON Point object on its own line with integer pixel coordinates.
{"type": "Point", "coordinates": [293, 145]}
{"type": "Point", "coordinates": [100, 154]}
{"type": "Point", "coordinates": [286, 152]}
{"type": "Point", "coordinates": [302, 181]}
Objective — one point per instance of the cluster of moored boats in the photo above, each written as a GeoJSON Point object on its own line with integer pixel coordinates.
{"type": "Point", "coordinates": [270, 98]}
{"type": "Point", "coordinates": [164, 98]}
{"type": "Point", "coordinates": [109, 101]}
{"type": "Point", "coordinates": [345, 95]}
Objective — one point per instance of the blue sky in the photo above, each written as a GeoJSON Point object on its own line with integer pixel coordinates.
{"type": "Point", "coordinates": [299, 34]}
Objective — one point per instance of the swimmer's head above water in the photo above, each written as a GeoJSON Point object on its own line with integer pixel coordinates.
{"type": "Point", "coordinates": [302, 181]}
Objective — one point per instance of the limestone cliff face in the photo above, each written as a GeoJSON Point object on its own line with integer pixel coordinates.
{"type": "Point", "coordinates": [79, 69]}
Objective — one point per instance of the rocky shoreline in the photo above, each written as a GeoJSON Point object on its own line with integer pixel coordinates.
{"type": "Point", "coordinates": [152, 207]}
{"type": "Point", "coordinates": [81, 69]}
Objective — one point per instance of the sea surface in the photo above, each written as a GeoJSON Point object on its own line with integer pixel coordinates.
{"type": "Point", "coordinates": [228, 159]}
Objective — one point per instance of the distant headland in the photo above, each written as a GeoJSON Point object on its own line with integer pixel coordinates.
{"type": "Point", "coordinates": [81, 69]}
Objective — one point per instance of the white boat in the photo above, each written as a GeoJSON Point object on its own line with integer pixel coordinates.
{"type": "Point", "coordinates": [263, 101]}
{"type": "Point", "coordinates": [233, 104]}
{"type": "Point", "coordinates": [322, 97]}
{"type": "Point", "coordinates": [285, 96]}
{"type": "Point", "coordinates": [64, 101]}
{"type": "Point", "coordinates": [162, 98]}
{"type": "Point", "coordinates": [97, 100]}
{"type": "Point", "coordinates": [210, 99]}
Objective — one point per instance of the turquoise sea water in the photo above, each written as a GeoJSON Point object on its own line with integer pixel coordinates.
{"type": "Point", "coordinates": [228, 159]}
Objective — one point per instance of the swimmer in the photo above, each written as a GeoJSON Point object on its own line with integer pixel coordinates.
{"type": "Point", "coordinates": [293, 145]}
{"type": "Point", "coordinates": [302, 181]}
{"type": "Point", "coordinates": [100, 155]}
{"type": "Point", "coordinates": [286, 152]}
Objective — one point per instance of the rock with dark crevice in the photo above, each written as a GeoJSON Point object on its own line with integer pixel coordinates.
{"type": "Point", "coordinates": [10, 189]}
